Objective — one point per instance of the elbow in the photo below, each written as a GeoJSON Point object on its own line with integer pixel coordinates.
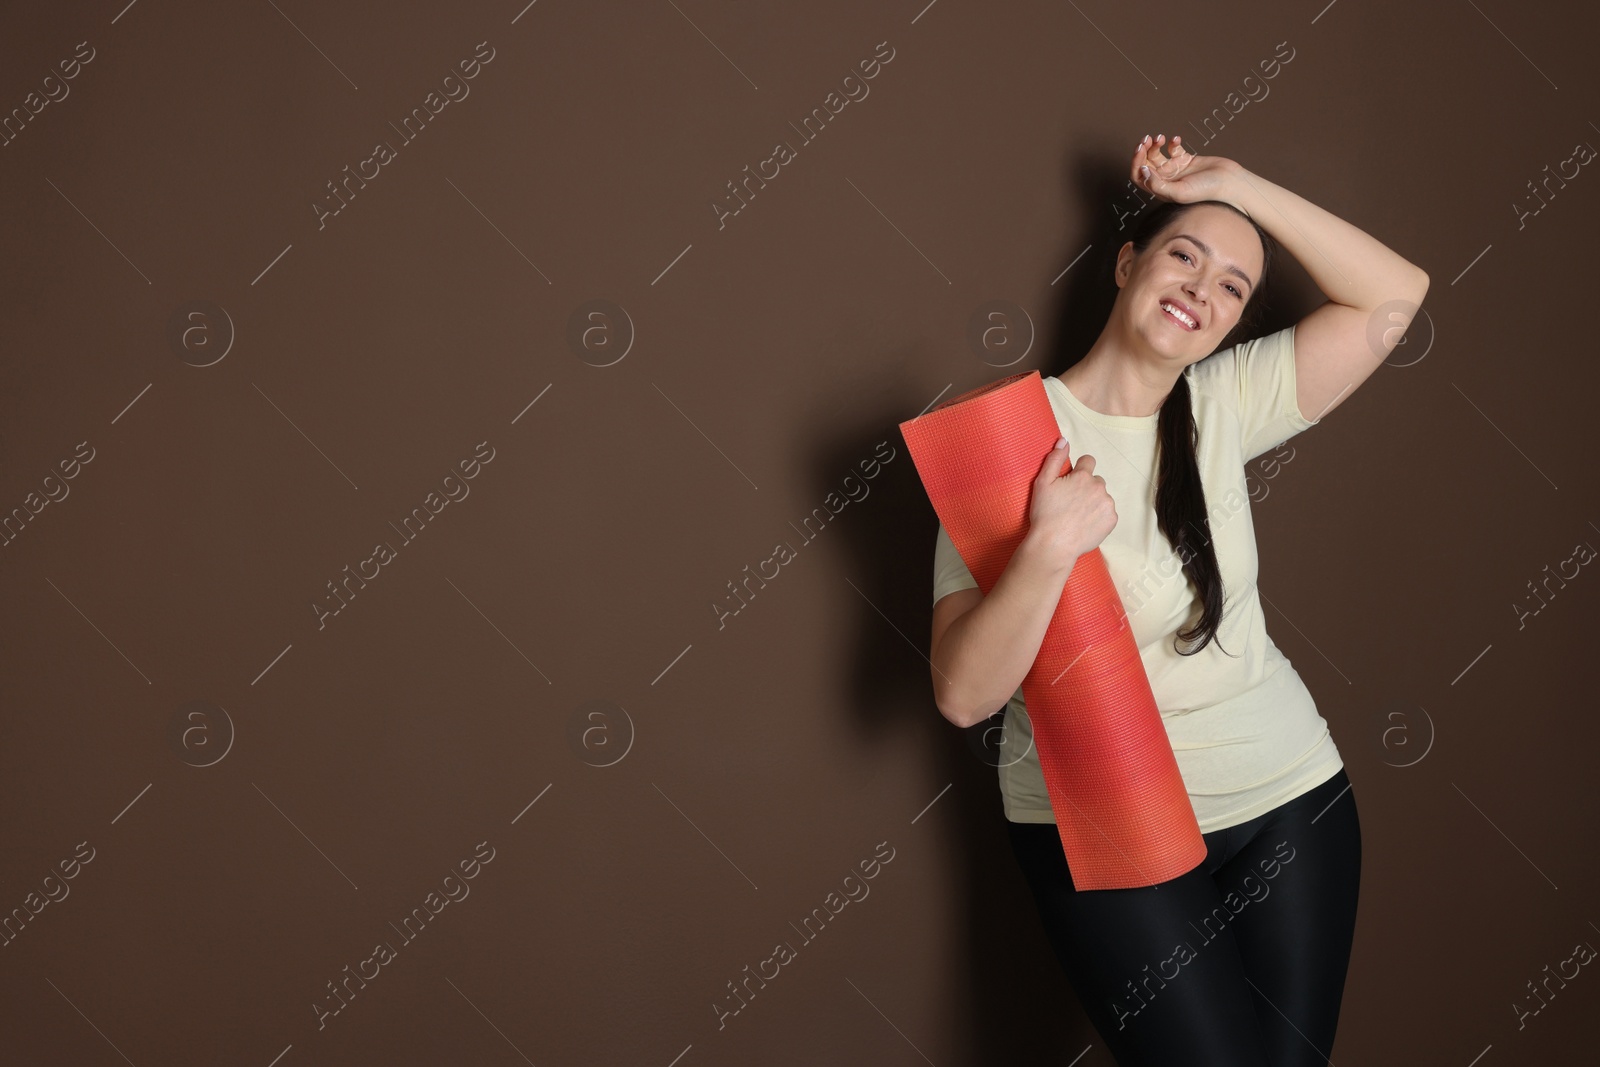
{"type": "Point", "coordinates": [966, 714]}
{"type": "Point", "coordinates": [956, 711]}
{"type": "Point", "coordinates": [1420, 286]}
{"type": "Point", "coordinates": [952, 712]}
{"type": "Point", "coordinates": [956, 716]}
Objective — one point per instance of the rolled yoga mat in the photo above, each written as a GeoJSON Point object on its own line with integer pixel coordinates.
{"type": "Point", "coordinates": [1120, 804]}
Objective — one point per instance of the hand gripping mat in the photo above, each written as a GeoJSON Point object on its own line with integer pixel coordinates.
{"type": "Point", "coordinates": [1120, 804]}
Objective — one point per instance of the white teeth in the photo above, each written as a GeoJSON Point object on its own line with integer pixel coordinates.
{"type": "Point", "coordinates": [1180, 315]}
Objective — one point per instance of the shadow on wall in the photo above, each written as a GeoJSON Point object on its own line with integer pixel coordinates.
{"type": "Point", "coordinates": [1002, 970]}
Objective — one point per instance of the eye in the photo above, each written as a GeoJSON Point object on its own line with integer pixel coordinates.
{"type": "Point", "coordinates": [1188, 259]}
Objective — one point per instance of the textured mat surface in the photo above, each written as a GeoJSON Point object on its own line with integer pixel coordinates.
{"type": "Point", "coordinates": [1120, 805]}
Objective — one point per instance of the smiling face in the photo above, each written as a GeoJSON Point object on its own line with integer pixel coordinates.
{"type": "Point", "coordinates": [1188, 289]}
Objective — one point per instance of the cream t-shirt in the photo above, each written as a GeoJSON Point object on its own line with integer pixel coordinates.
{"type": "Point", "coordinates": [1244, 729]}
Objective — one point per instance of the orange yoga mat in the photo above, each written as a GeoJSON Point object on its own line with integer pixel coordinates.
{"type": "Point", "coordinates": [1120, 804]}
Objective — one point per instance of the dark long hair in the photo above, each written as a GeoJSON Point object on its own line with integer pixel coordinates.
{"type": "Point", "coordinates": [1180, 498]}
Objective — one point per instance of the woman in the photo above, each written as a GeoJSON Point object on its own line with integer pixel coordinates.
{"type": "Point", "coordinates": [1242, 960]}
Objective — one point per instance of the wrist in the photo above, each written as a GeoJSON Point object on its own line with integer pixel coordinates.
{"type": "Point", "coordinates": [1242, 190]}
{"type": "Point", "coordinates": [1041, 553]}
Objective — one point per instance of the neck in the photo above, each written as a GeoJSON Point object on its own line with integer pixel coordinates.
{"type": "Point", "coordinates": [1117, 378]}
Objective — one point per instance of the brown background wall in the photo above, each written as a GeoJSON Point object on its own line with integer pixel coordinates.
{"type": "Point", "coordinates": [645, 850]}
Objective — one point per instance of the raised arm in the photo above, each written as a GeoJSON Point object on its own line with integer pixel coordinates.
{"type": "Point", "coordinates": [1373, 292]}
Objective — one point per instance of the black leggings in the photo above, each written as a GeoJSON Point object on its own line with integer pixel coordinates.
{"type": "Point", "coordinates": [1240, 962]}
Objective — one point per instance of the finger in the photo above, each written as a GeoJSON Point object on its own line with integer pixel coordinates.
{"type": "Point", "coordinates": [1063, 458]}
{"type": "Point", "coordinates": [1141, 155]}
{"type": "Point", "coordinates": [1059, 457]}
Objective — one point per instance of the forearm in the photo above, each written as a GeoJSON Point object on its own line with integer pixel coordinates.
{"type": "Point", "coordinates": [1349, 265]}
{"type": "Point", "coordinates": [986, 652]}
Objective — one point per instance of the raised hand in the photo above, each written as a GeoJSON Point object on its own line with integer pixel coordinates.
{"type": "Point", "coordinates": [1181, 175]}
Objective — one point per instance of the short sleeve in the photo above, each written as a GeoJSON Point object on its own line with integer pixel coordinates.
{"type": "Point", "coordinates": [950, 573]}
{"type": "Point", "coordinates": [1260, 378]}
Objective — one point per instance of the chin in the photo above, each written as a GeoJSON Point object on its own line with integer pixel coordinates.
{"type": "Point", "coordinates": [1175, 341]}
